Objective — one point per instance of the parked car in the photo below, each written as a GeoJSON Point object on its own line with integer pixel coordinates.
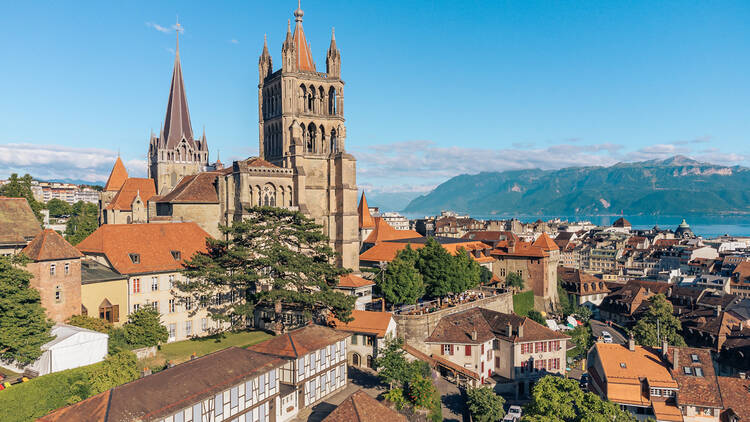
{"type": "Point", "coordinates": [513, 415]}
{"type": "Point", "coordinates": [607, 337]}
{"type": "Point", "coordinates": [584, 382]}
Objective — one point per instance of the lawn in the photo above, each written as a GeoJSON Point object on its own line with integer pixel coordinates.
{"type": "Point", "coordinates": [523, 303]}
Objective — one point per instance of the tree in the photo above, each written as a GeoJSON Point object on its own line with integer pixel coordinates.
{"type": "Point", "coordinates": [464, 272]}
{"type": "Point", "coordinates": [116, 369]}
{"type": "Point", "coordinates": [562, 294]}
{"type": "Point", "coordinates": [658, 323]}
{"type": "Point", "coordinates": [144, 328]}
{"type": "Point", "coordinates": [83, 221]}
{"type": "Point", "coordinates": [91, 323]}
{"type": "Point", "coordinates": [58, 208]}
{"type": "Point", "coordinates": [391, 363]}
{"type": "Point", "coordinates": [21, 188]}
{"type": "Point", "coordinates": [273, 256]}
{"type": "Point", "coordinates": [435, 264]}
{"type": "Point", "coordinates": [583, 339]}
{"type": "Point", "coordinates": [484, 404]}
{"type": "Point", "coordinates": [25, 327]}
{"type": "Point", "coordinates": [584, 313]}
{"type": "Point", "coordinates": [421, 391]}
{"type": "Point", "coordinates": [537, 316]}
{"type": "Point", "coordinates": [559, 399]}
{"type": "Point", "coordinates": [485, 275]}
{"type": "Point", "coordinates": [401, 282]}
{"type": "Point", "coordinates": [514, 281]}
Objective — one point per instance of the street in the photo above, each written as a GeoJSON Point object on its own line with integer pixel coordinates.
{"type": "Point", "coordinates": [598, 326]}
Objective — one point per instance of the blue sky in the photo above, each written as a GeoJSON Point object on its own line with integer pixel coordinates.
{"type": "Point", "coordinates": [433, 88]}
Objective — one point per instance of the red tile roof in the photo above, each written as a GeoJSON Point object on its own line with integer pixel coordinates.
{"type": "Point", "coordinates": [387, 251]}
{"type": "Point", "coordinates": [545, 243]}
{"type": "Point", "coordinates": [369, 322]}
{"type": "Point", "coordinates": [300, 342]}
{"type": "Point", "coordinates": [132, 187]}
{"type": "Point", "coordinates": [48, 246]}
{"type": "Point", "coordinates": [384, 232]}
{"type": "Point", "coordinates": [519, 249]}
{"type": "Point", "coordinates": [354, 281]}
{"type": "Point", "coordinates": [365, 218]}
{"type": "Point", "coordinates": [735, 393]}
{"type": "Point", "coordinates": [198, 188]}
{"type": "Point", "coordinates": [93, 409]}
{"type": "Point", "coordinates": [153, 242]}
{"type": "Point", "coordinates": [700, 391]}
{"type": "Point", "coordinates": [304, 57]}
{"type": "Point", "coordinates": [360, 407]}
{"type": "Point", "coordinates": [18, 224]}
{"type": "Point", "coordinates": [116, 177]}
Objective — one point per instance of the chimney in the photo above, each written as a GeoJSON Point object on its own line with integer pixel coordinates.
{"type": "Point", "coordinates": [743, 375]}
{"type": "Point", "coordinates": [665, 348]}
{"type": "Point", "coordinates": [676, 363]}
{"type": "Point", "coordinates": [474, 335]}
{"type": "Point", "coordinates": [718, 310]}
{"type": "Point", "coordinates": [520, 330]}
{"type": "Point", "coordinates": [509, 329]}
{"type": "Point", "coordinates": [631, 343]}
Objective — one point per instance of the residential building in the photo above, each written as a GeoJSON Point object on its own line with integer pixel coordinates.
{"type": "Point", "coordinates": [396, 220]}
{"type": "Point", "coordinates": [583, 289]}
{"type": "Point", "coordinates": [360, 407]}
{"type": "Point", "coordinates": [104, 292]}
{"type": "Point", "coordinates": [740, 285]}
{"type": "Point", "coordinates": [314, 367]}
{"type": "Point", "coordinates": [233, 384]}
{"type": "Point", "coordinates": [384, 252]}
{"type": "Point", "coordinates": [354, 285]}
{"type": "Point", "coordinates": [151, 257]}
{"type": "Point", "coordinates": [56, 269]}
{"type": "Point", "coordinates": [624, 304]}
{"type": "Point", "coordinates": [698, 396]}
{"type": "Point", "coordinates": [734, 394]}
{"type": "Point", "coordinates": [18, 225]}
{"type": "Point", "coordinates": [369, 333]}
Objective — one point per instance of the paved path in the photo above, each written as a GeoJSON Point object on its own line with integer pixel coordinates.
{"type": "Point", "coordinates": [358, 380]}
{"type": "Point", "coordinates": [598, 326]}
{"type": "Point", "coordinates": [454, 406]}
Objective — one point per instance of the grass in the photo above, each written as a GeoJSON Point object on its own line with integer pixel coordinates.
{"type": "Point", "coordinates": [523, 303]}
{"type": "Point", "coordinates": [9, 375]}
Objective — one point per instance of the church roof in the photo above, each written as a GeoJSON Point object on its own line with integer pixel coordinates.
{"type": "Point", "coordinates": [304, 57]}
{"type": "Point", "coordinates": [546, 243]}
{"type": "Point", "coordinates": [116, 177]}
{"type": "Point", "coordinates": [259, 162]}
{"type": "Point", "coordinates": [365, 218]}
{"type": "Point", "coordinates": [48, 246]}
{"type": "Point", "coordinates": [198, 188]}
{"type": "Point", "coordinates": [177, 121]}
{"type": "Point", "coordinates": [133, 186]}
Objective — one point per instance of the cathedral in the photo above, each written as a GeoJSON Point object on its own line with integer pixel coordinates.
{"type": "Point", "coordinates": [302, 164]}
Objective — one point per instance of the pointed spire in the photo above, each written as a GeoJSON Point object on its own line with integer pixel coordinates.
{"type": "Point", "coordinates": [365, 218]}
{"type": "Point", "coordinates": [265, 46]}
{"type": "Point", "coordinates": [177, 121]}
{"type": "Point", "coordinates": [304, 57]}
{"type": "Point", "coordinates": [117, 176]}
{"type": "Point", "coordinates": [332, 47]}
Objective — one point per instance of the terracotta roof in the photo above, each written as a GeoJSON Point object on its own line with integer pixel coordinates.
{"type": "Point", "coordinates": [360, 407]}
{"type": "Point", "coordinates": [155, 396]}
{"type": "Point", "coordinates": [18, 224]}
{"type": "Point", "coordinates": [259, 162]}
{"type": "Point", "coordinates": [695, 390]}
{"type": "Point", "coordinates": [116, 177]}
{"type": "Point", "coordinates": [369, 322]}
{"type": "Point", "coordinates": [198, 188]}
{"type": "Point", "coordinates": [490, 236]}
{"type": "Point", "coordinates": [384, 232]}
{"type": "Point", "coordinates": [48, 246]}
{"type": "Point", "coordinates": [153, 243]}
{"type": "Point", "coordinates": [131, 188]}
{"type": "Point", "coordinates": [519, 249]}
{"type": "Point", "coordinates": [300, 342]}
{"type": "Point", "coordinates": [387, 251]}
{"type": "Point", "coordinates": [742, 271]}
{"type": "Point", "coordinates": [365, 218]}
{"type": "Point", "coordinates": [545, 243]}
{"type": "Point", "coordinates": [304, 57]}
{"type": "Point", "coordinates": [93, 409]}
{"type": "Point", "coordinates": [354, 281]}
{"type": "Point", "coordinates": [735, 393]}
{"type": "Point", "coordinates": [622, 366]}
{"type": "Point", "coordinates": [580, 283]}
{"type": "Point", "coordinates": [621, 222]}
{"type": "Point", "coordinates": [664, 411]}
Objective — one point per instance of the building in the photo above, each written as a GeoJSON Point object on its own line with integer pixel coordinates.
{"type": "Point", "coordinates": [314, 365]}
{"type": "Point", "coordinates": [369, 333]}
{"type": "Point", "coordinates": [56, 269]}
{"type": "Point", "coordinates": [698, 395]}
{"type": "Point", "coordinates": [130, 203]}
{"type": "Point", "coordinates": [354, 285]}
{"type": "Point", "coordinates": [384, 252]}
{"type": "Point", "coordinates": [480, 344]}
{"type": "Point", "coordinates": [583, 289]}
{"type": "Point", "coordinates": [18, 225]}
{"type": "Point", "coordinates": [740, 285]}
{"type": "Point", "coordinates": [734, 393]}
{"type": "Point", "coordinates": [233, 384]}
{"type": "Point", "coordinates": [104, 292]}
{"type": "Point", "coordinates": [151, 257]}
{"type": "Point", "coordinates": [360, 407]}
{"type": "Point", "coordinates": [396, 220]}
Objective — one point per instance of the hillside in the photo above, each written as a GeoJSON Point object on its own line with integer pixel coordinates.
{"type": "Point", "coordinates": [674, 186]}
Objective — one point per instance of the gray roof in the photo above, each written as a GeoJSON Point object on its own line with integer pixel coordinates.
{"type": "Point", "coordinates": [94, 272]}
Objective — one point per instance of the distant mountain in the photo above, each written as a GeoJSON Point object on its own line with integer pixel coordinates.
{"type": "Point", "coordinates": [675, 186]}
{"type": "Point", "coordinates": [390, 201]}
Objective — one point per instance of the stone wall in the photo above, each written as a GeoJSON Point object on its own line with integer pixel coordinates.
{"type": "Point", "coordinates": [414, 329]}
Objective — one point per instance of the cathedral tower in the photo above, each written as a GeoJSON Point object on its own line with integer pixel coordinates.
{"type": "Point", "coordinates": [301, 123]}
{"type": "Point", "coordinates": [175, 153]}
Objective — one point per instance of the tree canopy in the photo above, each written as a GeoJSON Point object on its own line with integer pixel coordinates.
{"type": "Point", "coordinates": [273, 256]}
{"type": "Point", "coordinates": [58, 207]}
{"type": "Point", "coordinates": [401, 282]}
{"type": "Point", "coordinates": [444, 273]}
{"type": "Point", "coordinates": [144, 328]}
{"type": "Point", "coordinates": [20, 187]}
{"type": "Point", "coordinates": [649, 332]}
{"type": "Point", "coordinates": [83, 221]}
{"type": "Point", "coordinates": [484, 405]}
{"type": "Point", "coordinates": [537, 316]}
{"type": "Point", "coordinates": [556, 399]}
{"type": "Point", "coordinates": [514, 280]}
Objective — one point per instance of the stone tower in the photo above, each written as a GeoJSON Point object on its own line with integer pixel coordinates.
{"type": "Point", "coordinates": [301, 121]}
{"type": "Point", "coordinates": [175, 153]}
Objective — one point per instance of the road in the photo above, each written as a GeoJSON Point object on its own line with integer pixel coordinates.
{"type": "Point", "coordinates": [597, 327]}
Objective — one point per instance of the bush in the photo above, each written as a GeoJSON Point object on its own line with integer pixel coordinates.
{"type": "Point", "coordinates": [421, 391]}
{"type": "Point", "coordinates": [144, 329]}
{"type": "Point", "coordinates": [537, 316]}
{"type": "Point", "coordinates": [117, 341]}
{"type": "Point", "coordinates": [91, 323]}
{"type": "Point", "coordinates": [484, 404]}
{"type": "Point", "coordinates": [396, 396]}
{"type": "Point", "coordinates": [116, 370]}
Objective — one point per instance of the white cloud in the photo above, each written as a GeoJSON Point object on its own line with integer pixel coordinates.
{"type": "Point", "coordinates": [234, 41]}
{"type": "Point", "coordinates": [166, 29]}
{"type": "Point", "coordinates": [60, 162]}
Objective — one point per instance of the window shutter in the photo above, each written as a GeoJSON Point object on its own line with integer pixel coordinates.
{"type": "Point", "coordinates": [468, 350]}
{"type": "Point", "coordinates": [116, 313]}
{"type": "Point", "coordinates": [451, 350]}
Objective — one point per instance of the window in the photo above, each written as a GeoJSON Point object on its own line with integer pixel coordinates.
{"type": "Point", "coordinates": [58, 294]}
{"type": "Point", "coordinates": [67, 268]}
{"type": "Point", "coordinates": [172, 330]}
{"type": "Point", "coordinates": [154, 284]}
{"type": "Point", "coordinates": [234, 397]}
{"type": "Point", "coordinates": [694, 358]}
{"type": "Point", "coordinates": [51, 269]}
{"type": "Point", "coordinates": [197, 412]}
{"type": "Point", "coordinates": [135, 258]}
{"type": "Point", "coordinates": [188, 304]}
{"type": "Point", "coordinates": [368, 340]}
{"type": "Point", "coordinates": [176, 255]}
{"type": "Point", "coordinates": [467, 350]}
{"type": "Point", "coordinates": [446, 349]}
{"type": "Point", "coordinates": [219, 404]}
{"type": "Point", "coordinates": [171, 281]}
{"type": "Point", "coordinates": [354, 339]}
{"type": "Point", "coordinates": [136, 285]}
{"type": "Point", "coordinates": [204, 324]}
{"type": "Point", "coordinates": [623, 365]}
{"type": "Point", "coordinates": [155, 305]}
{"type": "Point", "coordinates": [179, 416]}
{"type": "Point", "coordinates": [262, 384]}
{"type": "Point", "coordinates": [698, 371]}
{"type": "Point", "coordinates": [686, 370]}
{"type": "Point", "coordinates": [497, 362]}
{"type": "Point", "coordinates": [136, 307]}
{"type": "Point", "coordinates": [188, 327]}
{"type": "Point", "coordinates": [171, 305]}
{"type": "Point", "coordinates": [655, 392]}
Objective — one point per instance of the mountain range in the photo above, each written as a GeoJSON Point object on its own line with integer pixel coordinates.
{"type": "Point", "coordinates": [674, 186]}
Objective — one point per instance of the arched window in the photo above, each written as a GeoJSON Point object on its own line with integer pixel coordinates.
{"type": "Point", "coordinates": [332, 101]}
{"type": "Point", "coordinates": [303, 97]}
{"type": "Point", "coordinates": [269, 195]}
{"type": "Point", "coordinates": [311, 100]}
{"type": "Point", "coordinates": [312, 137]}
{"type": "Point", "coordinates": [333, 140]}
{"type": "Point", "coordinates": [323, 147]}
{"type": "Point", "coordinates": [289, 195]}
{"type": "Point", "coordinates": [321, 98]}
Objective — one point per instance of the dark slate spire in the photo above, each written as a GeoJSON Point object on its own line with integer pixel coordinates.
{"type": "Point", "coordinates": [177, 121]}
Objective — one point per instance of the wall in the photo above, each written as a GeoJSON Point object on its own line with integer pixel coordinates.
{"type": "Point", "coordinates": [70, 287]}
{"type": "Point", "coordinates": [207, 216]}
{"type": "Point", "coordinates": [115, 291]}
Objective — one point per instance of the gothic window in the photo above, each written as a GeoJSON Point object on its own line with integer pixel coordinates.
{"type": "Point", "coordinates": [333, 140]}
{"type": "Point", "coordinates": [322, 146]}
{"type": "Point", "coordinates": [313, 137]}
{"type": "Point", "coordinates": [303, 96]}
{"type": "Point", "coordinates": [289, 194]}
{"type": "Point", "coordinates": [332, 101]}
{"type": "Point", "coordinates": [321, 99]}
{"type": "Point", "coordinates": [269, 195]}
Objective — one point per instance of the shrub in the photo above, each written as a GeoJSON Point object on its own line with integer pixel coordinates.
{"type": "Point", "coordinates": [421, 391]}
{"type": "Point", "coordinates": [396, 396]}
{"type": "Point", "coordinates": [91, 323]}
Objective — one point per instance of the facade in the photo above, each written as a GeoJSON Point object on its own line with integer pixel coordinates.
{"type": "Point", "coordinates": [395, 220]}
{"type": "Point", "coordinates": [104, 292]}
{"type": "Point", "coordinates": [56, 270]}
{"type": "Point", "coordinates": [369, 333]}
{"type": "Point", "coordinates": [18, 225]}
{"type": "Point", "coordinates": [130, 203]}
{"type": "Point", "coordinates": [357, 286]}
{"type": "Point", "coordinates": [582, 289]}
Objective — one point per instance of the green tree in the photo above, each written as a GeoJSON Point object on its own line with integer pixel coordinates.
{"type": "Point", "coordinates": [144, 328]}
{"type": "Point", "coordinates": [436, 266]}
{"type": "Point", "coordinates": [421, 391]}
{"type": "Point", "coordinates": [20, 187]}
{"type": "Point", "coordinates": [401, 282]}
{"type": "Point", "coordinates": [25, 328]}
{"type": "Point", "coordinates": [556, 399]}
{"type": "Point", "coordinates": [514, 281]}
{"type": "Point", "coordinates": [484, 404]}
{"type": "Point", "coordinates": [91, 323]}
{"type": "Point", "coordinates": [562, 294]}
{"type": "Point", "coordinates": [537, 316]}
{"type": "Point", "coordinates": [485, 275]}
{"type": "Point", "coordinates": [116, 369]}
{"type": "Point", "coordinates": [83, 221]}
{"type": "Point", "coordinates": [391, 363]}
{"type": "Point", "coordinates": [658, 323]}
{"type": "Point", "coordinates": [583, 313]}
{"type": "Point", "coordinates": [582, 338]}
{"type": "Point", "coordinates": [465, 272]}
{"type": "Point", "coordinates": [58, 208]}
{"type": "Point", "coordinates": [273, 256]}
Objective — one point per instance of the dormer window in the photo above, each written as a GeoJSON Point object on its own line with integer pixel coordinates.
{"type": "Point", "coordinates": [623, 365]}
{"type": "Point", "coordinates": [135, 258]}
{"type": "Point", "coordinates": [176, 255]}
{"type": "Point", "coordinates": [694, 358]}
{"type": "Point", "coordinates": [686, 370]}
{"type": "Point", "coordinates": [698, 371]}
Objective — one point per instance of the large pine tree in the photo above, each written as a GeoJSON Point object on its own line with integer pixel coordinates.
{"type": "Point", "coordinates": [273, 256]}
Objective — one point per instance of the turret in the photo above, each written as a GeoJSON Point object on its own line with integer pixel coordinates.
{"type": "Point", "coordinates": [288, 53]}
{"type": "Point", "coordinates": [333, 58]}
{"type": "Point", "coordinates": [265, 65]}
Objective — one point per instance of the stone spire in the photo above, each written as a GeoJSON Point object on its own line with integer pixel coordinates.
{"type": "Point", "coordinates": [304, 57]}
{"type": "Point", "coordinates": [333, 58]}
{"type": "Point", "coordinates": [177, 121]}
{"type": "Point", "coordinates": [265, 64]}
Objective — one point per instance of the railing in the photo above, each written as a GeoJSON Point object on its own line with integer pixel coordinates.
{"type": "Point", "coordinates": [430, 306]}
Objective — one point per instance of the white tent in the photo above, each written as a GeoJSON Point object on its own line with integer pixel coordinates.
{"type": "Point", "coordinates": [71, 348]}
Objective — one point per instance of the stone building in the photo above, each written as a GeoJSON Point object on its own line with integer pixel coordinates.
{"type": "Point", "coordinates": [56, 270]}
